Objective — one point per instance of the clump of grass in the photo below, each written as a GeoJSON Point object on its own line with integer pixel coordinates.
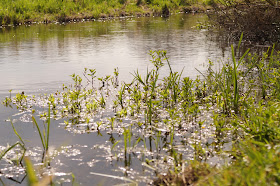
{"type": "Point", "coordinates": [189, 175]}
{"type": "Point", "coordinates": [254, 157]}
{"type": "Point", "coordinates": [256, 164]}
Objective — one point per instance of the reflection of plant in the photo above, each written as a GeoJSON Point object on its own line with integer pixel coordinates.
{"type": "Point", "coordinates": [9, 148]}
{"type": "Point", "coordinates": [19, 143]}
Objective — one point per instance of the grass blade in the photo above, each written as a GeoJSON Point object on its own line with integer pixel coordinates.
{"type": "Point", "coordinates": [235, 85]}
{"type": "Point", "coordinates": [4, 152]}
{"type": "Point", "coordinates": [48, 129]}
{"type": "Point", "coordinates": [16, 132]}
{"type": "Point", "coordinates": [31, 175]}
{"type": "Point", "coordinates": [239, 43]}
{"type": "Point", "coordinates": [42, 140]}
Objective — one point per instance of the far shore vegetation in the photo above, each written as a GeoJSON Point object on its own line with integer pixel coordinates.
{"type": "Point", "coordinates": [17, 12]}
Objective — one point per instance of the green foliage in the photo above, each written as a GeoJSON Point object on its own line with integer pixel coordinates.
{"type": "Point", "coordinates": [238, 104]}
{"type": "Point", "coordinates": [31, 175]}
{"type": "Point", "coordinates": [256, 164]}
{"type": "Point", "coordinates": [32, 178]}
{"type": "Point", "coordinates": [122, 1]}
{"type": "Point", "coordinates": [9, 148]}
{"type": "Point", "coordinates": [26, 11]}
{"type": "Point", "coordinates": [46, 134]}
{"type": "Point", "coordinates": [20, 144]}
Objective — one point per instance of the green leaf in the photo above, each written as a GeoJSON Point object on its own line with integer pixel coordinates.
{"type": "Point", "coordinates": [31, 175]}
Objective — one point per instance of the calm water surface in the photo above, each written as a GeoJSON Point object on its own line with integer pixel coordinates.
{"type": "Point", "coordinates": [43, 56]}
{"type": "Point", "coordinates": [39, 59]}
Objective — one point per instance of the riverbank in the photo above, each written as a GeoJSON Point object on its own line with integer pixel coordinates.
{"type": "Point", "coordinates": [245, 115]}
{"type": "Point", "coordinates": [258, 20]}
{"type": "Point", "coordinates": [46, 11]}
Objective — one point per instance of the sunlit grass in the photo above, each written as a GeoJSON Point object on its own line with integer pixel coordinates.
{"type": "Point", "coordinates": [153, 115]}
{"type": "Point", "coordinates": [21, 11]}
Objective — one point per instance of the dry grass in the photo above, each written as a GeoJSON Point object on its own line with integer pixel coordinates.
{"type": "Point", "coordinates": [188, 176]}
{"type": "Point", "coordinates": [259, 20]}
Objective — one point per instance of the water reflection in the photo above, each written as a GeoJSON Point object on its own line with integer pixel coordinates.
{"type": "Point", "coordinates": [43, 56]}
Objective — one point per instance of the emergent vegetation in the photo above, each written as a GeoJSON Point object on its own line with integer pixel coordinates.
{"type": "Point", "coordinates": [231, 114]}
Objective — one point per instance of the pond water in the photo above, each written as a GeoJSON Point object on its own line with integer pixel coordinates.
{"type": "Point", "coordinates": [38, 59]}
{"type": "Point", "coordinates": [41, 57]}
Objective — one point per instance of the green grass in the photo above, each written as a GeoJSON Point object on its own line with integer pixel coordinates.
{"type": "Point", "coordinates": [44, 135]}
{"type": "Point", "coordinates": [239, 104]}
{"type": "Point", "coordinates": [32, 178]}
{"type": "Point", "coordinates": [251, 115]}
{"type": "Point", "coordinates": [26, 11]}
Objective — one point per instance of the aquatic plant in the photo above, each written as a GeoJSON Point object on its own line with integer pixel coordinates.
{"type": "Point", "coordinates": [8, 100]}
{"type": "Point", "coordinates": [20, 143]}
{"type": "Point", "coordinates": [172, 124]}
{"type": "Point", "coordinates": [46, 132]}
{"type": "Point", "coordinates": [9, 148]}
{"type": "Point", "coordinates": [235, 74]}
